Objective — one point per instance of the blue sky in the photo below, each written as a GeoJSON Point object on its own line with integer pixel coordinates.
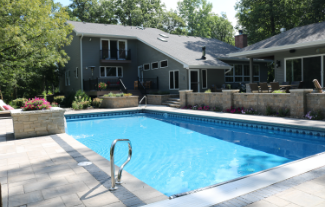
{"type": "Point", "coordinates": [219, 6]}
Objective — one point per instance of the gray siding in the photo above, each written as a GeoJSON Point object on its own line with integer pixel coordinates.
{"type": "Point", "coordinates": [73, 51]}
{"type": "Point", "coordinates": [91, 57]}
{"type": "Point", "coordinates": [147, 54]}
{"type": "Point", "coordinates": [279, 72]}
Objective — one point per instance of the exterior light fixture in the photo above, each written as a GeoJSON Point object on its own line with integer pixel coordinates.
{"type": "Point", "coordinates": [92, 68]}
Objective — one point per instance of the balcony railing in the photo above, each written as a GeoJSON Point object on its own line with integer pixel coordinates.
{"type": "Point", "coordinates": [115, 54]}
{"type": "Point", "coordinates": [112, 84]}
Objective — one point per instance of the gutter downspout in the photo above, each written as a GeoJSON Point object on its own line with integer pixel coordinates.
{"type": "Point", "coordinates": [81, 67]}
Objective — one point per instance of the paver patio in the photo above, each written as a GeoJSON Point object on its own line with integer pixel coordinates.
{"type": "Point", "coordinates": [43, 171]}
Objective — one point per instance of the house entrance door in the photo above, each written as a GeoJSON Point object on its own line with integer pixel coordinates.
{"type": "Point", "coordinates": [194, 80]}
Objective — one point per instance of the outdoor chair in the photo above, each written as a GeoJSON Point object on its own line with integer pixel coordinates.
{"type": "Point", "coordinates": [275, 86]}
{"type": "Point", "coordinates": [254, 87]}
{"type": "Point", "coordinates": [136, 85]}
{"type": "Point", "coordinates": [264, 88]}
{"type": "Point", "coordinates": [147, 84]}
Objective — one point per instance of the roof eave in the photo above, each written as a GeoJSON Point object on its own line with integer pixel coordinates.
{"type": "Point", "coordinates": [209, 67]}
{"type": "Point", "coordinates": [277, 49]}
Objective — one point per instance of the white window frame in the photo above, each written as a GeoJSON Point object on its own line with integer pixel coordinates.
{"type": "Point", "coordinates": [162, 61]}
{"type": "Point", "coordinates": [155, 68]}
{"type": "Point", "coordinates": [302, 66]}
{"type": "Point", "coordinates": [77, 72]}
{"type": "Point", "coordinates": [146, 64]}
{"type": "Point", "coordinates": [243, 74]}
{"type": "Point", "coordinates": [118, 48]}
{"type": "Point", "coordinates": [105, 76]}
{"type": "Point", "coordinates": [173, 79]}
{"type": "Point", "coordinates": [206, 78]}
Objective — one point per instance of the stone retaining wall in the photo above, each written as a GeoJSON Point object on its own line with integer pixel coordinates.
{"type": "Point", "coordinates": [159, 99]}
{"type": "Point", "coordinates": [259, 101]}
{"type": "Point", "coordinates": [119, 102]}
{"type": "Point", "coordinates": [38, 123]}
{"type": "Point", "coordinates": [299, 101]}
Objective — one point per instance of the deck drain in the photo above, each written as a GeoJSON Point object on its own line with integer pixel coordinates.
{"type": "Point", "coordinates": [84, 163]}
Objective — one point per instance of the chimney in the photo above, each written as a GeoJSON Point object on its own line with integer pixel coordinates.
{"type": "Point", "coordinates": [241, 40]}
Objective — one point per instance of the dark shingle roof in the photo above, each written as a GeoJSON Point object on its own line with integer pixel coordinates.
{"type": "Point", "coordinates": [304, 34]}
{"type": "Point", "coordinates": [186, 49]}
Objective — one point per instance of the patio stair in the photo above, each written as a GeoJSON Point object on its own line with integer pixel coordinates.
{"type": "Point", "coordinates": [173, 102]}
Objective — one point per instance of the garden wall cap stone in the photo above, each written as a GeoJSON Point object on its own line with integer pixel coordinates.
{"type": "Point", "coordinates": [185, 91]}
{"type": "Point", "coordinates": [230, 90]}
{"type": "Point", "coordinates": [300, 90]}
{"type": "Point", "coordinates": [18, 112]}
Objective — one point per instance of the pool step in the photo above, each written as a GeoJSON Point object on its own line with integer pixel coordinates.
{"type": "Point", "coordinates": [173, 102]}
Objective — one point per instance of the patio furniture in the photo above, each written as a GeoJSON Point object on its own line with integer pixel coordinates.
{"type": "Point", "coordinates": [254, 87]}
{"type": "Point", "coordinates": [136, 85]}
{"type": "Point", "coordinates": [215, 88]}
{"type": "Point", "coordinates": [318, 87]}
{"type": "Point", "coordinates": [264, 88]}
{"type": "Point", "coordinates": [275, 86]}
{"type": "Point", "coordinates": [147, 84]}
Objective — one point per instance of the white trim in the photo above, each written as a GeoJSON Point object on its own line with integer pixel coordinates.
{"type": "Point", "coordinates": [278, 48]}
{"type": "Point", "coordinates": [105, 76]}
{"type": "Point", "coordinates": [81, 65]}
{"type": "Point", "coordinates": [157, 66]}
{"type": "Point", "coordinates": [206, 78]}
{"type": "Point", "coordinates": [146, 64]}
{"type": "Point", "coordinates": [162, 61]}
{"type": "Point", "coordinates": [198, 79]}
{"type": "Point", "coordinates": [302, 66]}
{"type": "Point", "coordinates": [173, 71]}
{"type": "Point", "coordinates": [209, 67]}
{"type": "Point", "coordinates": [77, 71]}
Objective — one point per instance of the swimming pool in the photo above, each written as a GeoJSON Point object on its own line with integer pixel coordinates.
{"type": "Point", "coordinates": [175, 156]}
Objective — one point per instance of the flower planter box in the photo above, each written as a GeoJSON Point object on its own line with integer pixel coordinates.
{"type": "Point", "coordinates": [38, 123]}
{"type": "Point", "coordinates": [119, 102]}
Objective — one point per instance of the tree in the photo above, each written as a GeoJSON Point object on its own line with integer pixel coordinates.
{"type": "Point", "coordinates": [32, 33]}
{"type": "Point", "coordinates": [172, 23]}
{"type": "Point", "coordinates": [264, 18]}
{"type": "Point", "coordinates": [196, 14]}
{"type": "Point", "coordinates": [221, 28]}
{"type": "Point", "coordinates": [102, 11]}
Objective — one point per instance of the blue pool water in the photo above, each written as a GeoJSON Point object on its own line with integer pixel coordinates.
{"type": "Point", "coordinates": [175, 156]}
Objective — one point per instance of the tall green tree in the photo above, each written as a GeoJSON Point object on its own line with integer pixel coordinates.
{"type": "Point", "coordinates": [32, 35]}
{"type": "Point", "coordinates": [102, 11]}
{"type": "Point", "coordinates": [173, 23]}
{"type": "Point", "coordinates": [264, 18]}
{"type": "Point", "coordinates": [196, 14]}
{"type": "Point", "coordinates": [221, 28]}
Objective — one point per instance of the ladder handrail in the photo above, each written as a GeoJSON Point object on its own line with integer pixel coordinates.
{"type": "Point", "coordinates": [146, 100]}
{"type": "Point", "coordinates": [119, 175]}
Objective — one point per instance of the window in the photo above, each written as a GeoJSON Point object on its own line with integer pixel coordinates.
{"type": "Point", "coordinates": [67, 78]}
{"type": "Point", "coordinates": [154, 65]}
{"type": "Point", "coordinates": [111, 71]}
{"type": "Point", "coordinates": [163, 64]}
{"type": "Point", "coordinates": [173, 79]}
{"type": "Point", "coordinates": [77, 72]}
{"type": "Point", "coordinates": [113, 49]}
{"type": "Point", "coordinates": [241, 73]}
{"type": "Point", "coordinates": [146, 66]}
{"type": "Point", "coordinates": [204, 79]}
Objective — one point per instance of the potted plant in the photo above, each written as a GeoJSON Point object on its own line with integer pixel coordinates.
{"type": "Point", "coordinates": [102, 86]}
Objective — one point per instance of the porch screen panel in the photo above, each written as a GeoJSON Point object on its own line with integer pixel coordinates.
{"type": "Point", "coordinates": [204, 79]}
{"type": "Point", "coordinates": [111, 71]}
{"type": "Point", "coordinates": [312, 70]}
{"type": "Point", "coordinates": [293, 70]}
{"type": "Point", "coordinates": [102, 71]}
{"type": "Point", "coordinates": [119, 72]}
{"type": "Point", "coordinates": [171, 79]}
{"type": "Point", "coordinates": [176, 80]}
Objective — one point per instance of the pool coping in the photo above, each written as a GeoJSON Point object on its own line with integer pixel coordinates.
{"type": "Point", "coordinates": [243, 185]}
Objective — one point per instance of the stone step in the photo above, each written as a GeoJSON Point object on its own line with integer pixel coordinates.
{"type": "Point", "coordinates": [172, 105]}
{"type": "Point", "coordinates": [174, 99]}
{"type": "Point", "coordinates": [172, 102]}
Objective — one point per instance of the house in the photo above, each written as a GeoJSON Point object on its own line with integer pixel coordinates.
{"type": "Point", "coordinates": [299, 54]}
{"type": "Point", "coordinates": [159, 61]}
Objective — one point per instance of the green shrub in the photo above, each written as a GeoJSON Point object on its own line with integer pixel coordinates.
{"type": "Point", "coordinates": [315, 115]}
{"type": "Point", "coordinates": [44, 95]}
{"type": "Point", "coordinates": [96, 102]}
{"type": "Point", "coordinates": [19, 102]}
{"type": "Point", "coordinates": [54, 104]}
{"type": "Point", "coordinates": [283, 112]}
{"type": "Point", "coordinates": [207, 91]}
{"type": "Point", "coordinates": [36, 104]}
{"type": "Point", "coordinates": [270, 111]}
{"type": "Point", "coordinates": [278, 91]}
{"type": "Point", "coordinates": [59, 99]}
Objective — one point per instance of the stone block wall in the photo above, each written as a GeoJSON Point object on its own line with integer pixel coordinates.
{"type": "Point", "coordinates": [119, 102]}
{"type": "Point", "coordinates": [299, 101]}
{"type": "Point", "coordinates": [159, 99]}
{"type": "Point", "coordinates": [38, 123]}
{"type": "Point", "coordinates": [316, 101]}
{"type": "Point", "coordinates": [210, 99]}
{"type": "Point", "coordinates": [259, 101]}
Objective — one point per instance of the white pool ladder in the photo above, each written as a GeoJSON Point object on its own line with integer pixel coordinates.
{"type": "Point", "coordinates": [145, 100]}
{"type": "Point", "coordinates": [119, 175]}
